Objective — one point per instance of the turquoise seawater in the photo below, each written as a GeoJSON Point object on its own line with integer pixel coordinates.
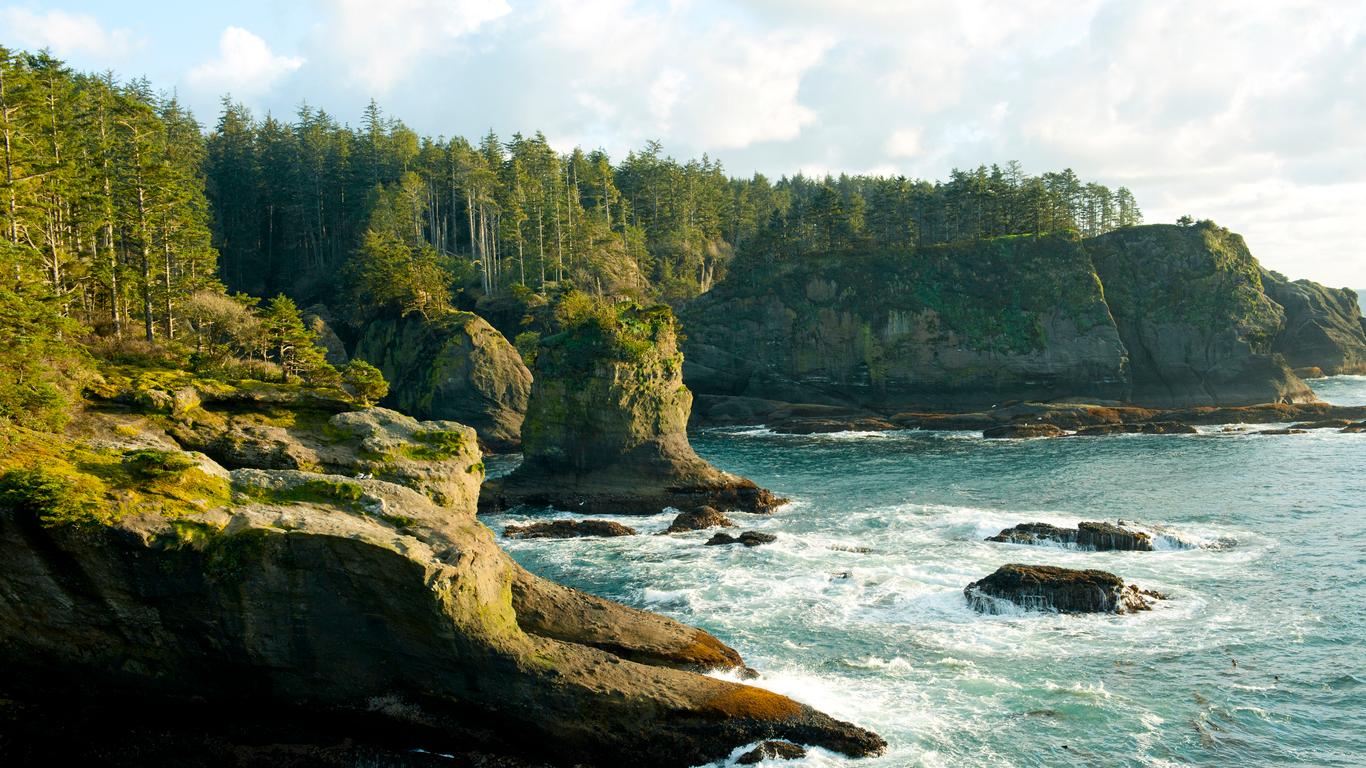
{"type": "Point", "coordinates": [1258, 658]}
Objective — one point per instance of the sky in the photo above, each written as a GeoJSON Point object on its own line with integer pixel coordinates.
{"type": "Point", "coordinates": [1249, 113]}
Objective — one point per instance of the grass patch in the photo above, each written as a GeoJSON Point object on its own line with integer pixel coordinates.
{"type": "Point", "coordinates": [435, 445]}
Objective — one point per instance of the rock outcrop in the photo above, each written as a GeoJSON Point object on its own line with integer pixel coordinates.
{"type": "Point", "coordinates": [1100, 537]}
{"type": "Point", "coordinates": [1190, 307]}
{"type": "Point", "coordinates": [1158, 316]}
{"type": "Point", "coordinates": [606, 426]}
{"type": "Point", "coordinates": [568, 529]}
{"type": "Point", "coordinates": [455, 367]}
{"type": "Point", "coordinates": [1323, 326]}
{"type": "Point", "coordinates": [748, 538]}
{"type": "Point", "coordinates": [771, 750]}
{"type": "Point", "coordinates": [699, 519]}
{"type": "Point", "coordinates": [142, 573]}
{"type": "Point", "coordinates": [1049, 588]}
{"type": "Point", "coordinates": [1022, 431]}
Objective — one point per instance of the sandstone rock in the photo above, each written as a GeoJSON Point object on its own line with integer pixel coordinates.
{"type": "Point", "coordinates": [1049, 588]}
{"type": "Point", "coordinates": [606, 428]}
{"type": "Point", "coordinates": [366, 604]}
{"type": "Point", "coordinates": [1022, 430]}
{"type": "Point", "coordinates": [748, 538]}
{"type": "Point", "coordinates": [699, 519]}
{"type": "Point", "coordinates": [568, 529]}
{"type": "Point", "coordinates": [455, 367]}
{"type": "Point", "coordinates": [438, 458]}
{"type": "Point", "coordinates": [771, 750]}
{"type": "Point", "coordinates": [1087, 535]}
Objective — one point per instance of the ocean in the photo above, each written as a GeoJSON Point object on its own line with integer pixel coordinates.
{"type": "Point", "coordinates": [1257, 657]}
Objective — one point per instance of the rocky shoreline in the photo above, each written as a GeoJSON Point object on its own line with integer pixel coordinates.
{"type": "Point", "coordinates": [1026, 419]}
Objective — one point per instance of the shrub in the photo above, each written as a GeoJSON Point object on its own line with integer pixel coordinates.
{"type": "Point", "coordinates": [54, 498]}
{"type": "Point", "coordinates": [526, 344]}
{"type": "Point", "coordinates": [366, 381]}
{"type": "Point", "coordinates": [149, 463]}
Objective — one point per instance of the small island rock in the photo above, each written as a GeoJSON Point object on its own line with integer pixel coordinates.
{"type": "Point", "coordinates": [1050, 588]}
{"type": "Point", "coordinates": [568, 529]}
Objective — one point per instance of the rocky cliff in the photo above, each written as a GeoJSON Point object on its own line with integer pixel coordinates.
{"type": "Point", "coordinates": [1324, 329]}
{"type": "Point", "coordinates": [136, 571]}
{"type": "Point", "coordinates": [456, 367]}
{"type": "Point", "coordinates": [1155, 315]}
{"type": "Point", "coordinates": [1193, 314]}
{"type": "Point", "coordinates": [606, 426]}
{"type": "Point", "coordinates": [948, 325]}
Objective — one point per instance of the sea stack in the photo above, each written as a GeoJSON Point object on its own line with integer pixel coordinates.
{"type": "Point", "coordinates": [606, 425]}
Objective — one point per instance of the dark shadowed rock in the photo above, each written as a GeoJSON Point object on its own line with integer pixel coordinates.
{"type": "Point", "coordinates": [1280, 431]}
{"type": "Point", "coordinates": [748, 538]}
{"type": "Point", "coordinates": [1193, 316]}
{"type": "Point", "coordinates": [1022, 431]}
{"type": "Point", "coordinates": [568, 529]}
{"type": "Point", "coordinates": [606, 427]}
{"type": "Point", "coordinates": [1049, 588]}
{"type": "Point", "coordinates": [1139, 428]}
{"type": "Point", "coordinates": [318, 319]}
{"type": "Point", "coordinates": [699, 519]}
{"type": "Point", "coordinates": [1323, 333]}
{"type": "Point", "coordinates": [771, 750]}
{"type": "Point", "coordinates": [1359, 426]}
{"type": "Point", "coordinates": [1087, 535]}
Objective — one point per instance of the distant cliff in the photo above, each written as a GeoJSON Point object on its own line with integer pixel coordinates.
{"type": "Point", "coordinates": [1324, 328]}
{"type": "Point", "coordinates": [1158, 315]}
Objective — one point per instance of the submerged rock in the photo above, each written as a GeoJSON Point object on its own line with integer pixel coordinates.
{"type": "Point", "coordinates": [1281, 431]}
{"type": "Point", "coordinates": [1139, 428]}
{"type": "Point", "coordinates": [1087, 535]}
{"type": "Point", "coordinates": [699, 519]}
{"type": "Point", "coordinates": [606, 428]}
{"type": "Point", "coordinates": [1359, 426]}
{"type": "Point", "coordinates": [1049, 588]}
{"type": "Point", "coordinates": [748, 538]}
{"type": "Point", "coordinates": [771, 750]}
{"type": "Point", "coordinates": [568, 529]}
{"type": "Point", "coordinates": [1323, 424]}
{"type": "Point", "coordinates": [1022, 430]}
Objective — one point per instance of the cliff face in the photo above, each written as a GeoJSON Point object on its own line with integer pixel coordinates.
{"type": "Point", "coordinates": [457, 367]}
{"type": "Point", "coordinates": [1192, 312]}
{"type": "Point", "coordinates": [1156, 315]}
{"type": "Point", "coordinates": [173, 578]}
{"type": "Point", "coordinates": [1324, 328]}
{"type": "Point", "coordinates": [951, 325]}
{"type": "Point", "coordinates": [606, 427]}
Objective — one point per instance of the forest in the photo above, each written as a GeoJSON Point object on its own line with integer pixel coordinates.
{"type": "Point", "coordinates": [126, 222]}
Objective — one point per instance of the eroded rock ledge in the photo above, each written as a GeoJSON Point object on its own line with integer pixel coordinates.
{"type": "Point", "coordinates": [356, 596]}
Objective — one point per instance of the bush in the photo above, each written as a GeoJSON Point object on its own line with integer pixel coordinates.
{"type": "Point", "coordinates": [54, 498]}
{"type": "Point", "coordinates": [149, 463]}
{"type": "Point", "coordinates": [526, 343]}
{"type": "Point", "coordinates": [365, 380]}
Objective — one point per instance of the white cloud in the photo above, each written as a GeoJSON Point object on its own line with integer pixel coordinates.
{"type": "Point", "coordinates": [903, 143]}
{"type": "Point", "coordinates": [245, 66]}
{"type": "Point", "coordinates": [67, 34]}
{"type": "Point", "coordinates": [384, 42]}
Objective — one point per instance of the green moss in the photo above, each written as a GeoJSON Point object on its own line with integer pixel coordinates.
{"type": "Point", "coordinates": [436, 445]}
{"type": "Point", "coordinates": [228, 557]}
{"type": "Point", "coordinates": [149, 463]}
{"type": "Point", "coordinates": [398, 521]}
{"type": "Point", "coordinates": [194, 534]}
{"type": "Point", "coordinates": [475, 468]}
